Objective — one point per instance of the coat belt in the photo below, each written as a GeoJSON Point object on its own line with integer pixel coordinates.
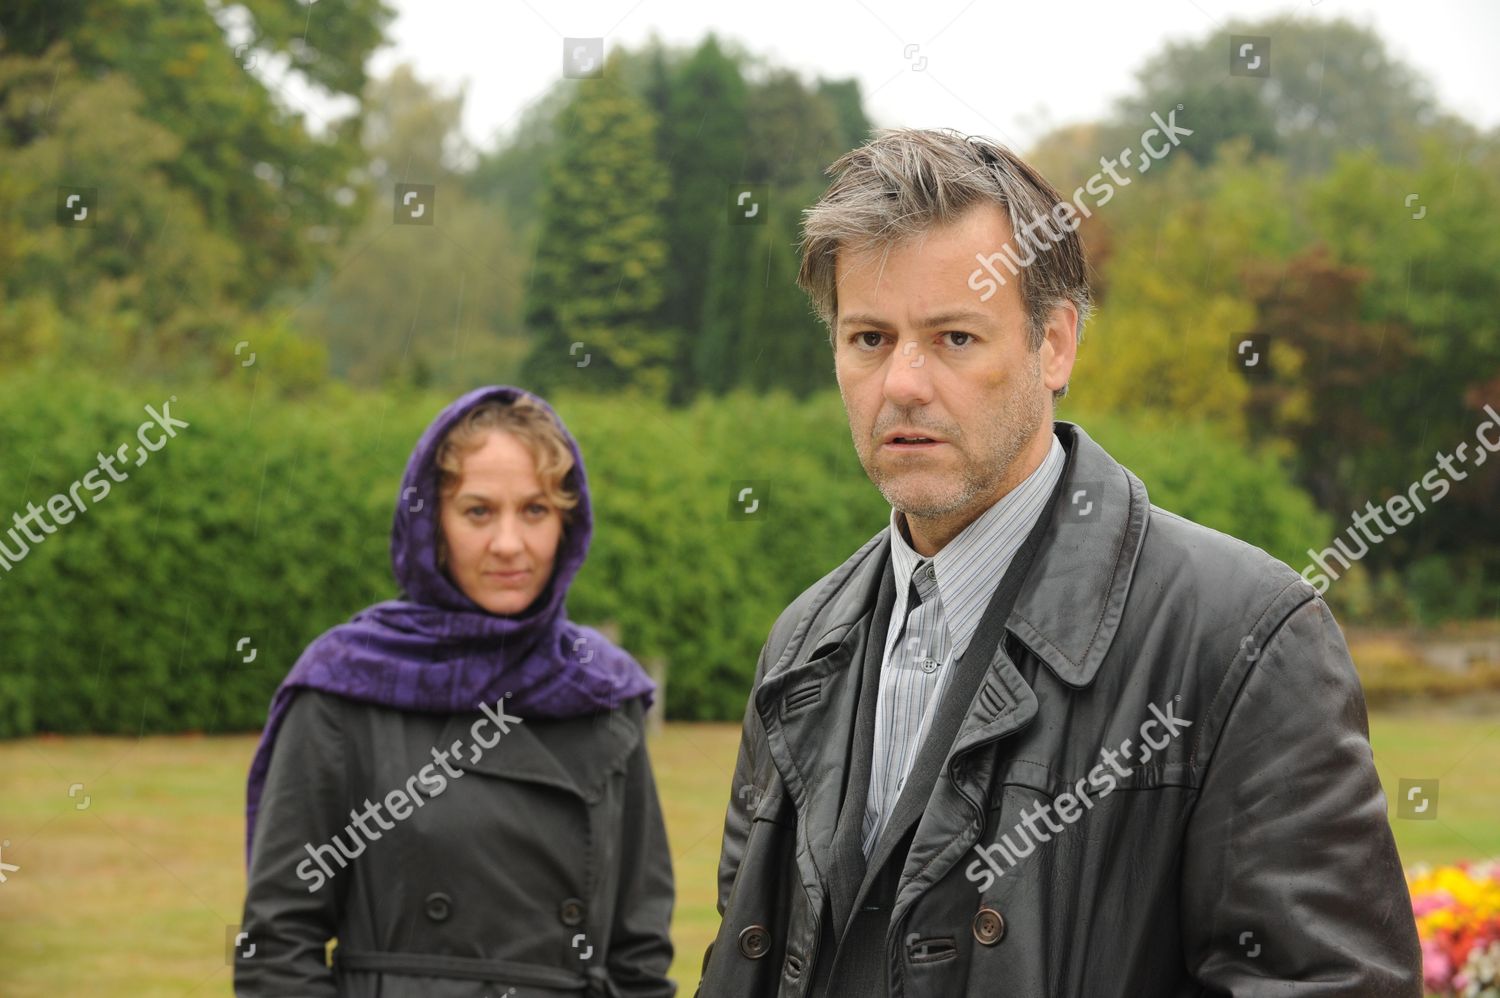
{"type": "Point", "coordinates": [465, 968]}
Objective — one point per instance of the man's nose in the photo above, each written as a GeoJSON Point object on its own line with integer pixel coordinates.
{"type": "Point", "coordinates": [908, 381]}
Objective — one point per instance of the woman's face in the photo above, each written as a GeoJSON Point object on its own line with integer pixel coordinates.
{"type": "Point", "coordinates": [502, 533]}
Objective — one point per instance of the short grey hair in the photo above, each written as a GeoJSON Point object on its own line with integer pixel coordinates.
{"type": "Point", "coordinates": [906, 181]}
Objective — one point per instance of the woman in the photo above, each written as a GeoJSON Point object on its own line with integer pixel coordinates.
{"type": "Point", "coordinates": [455, 784]}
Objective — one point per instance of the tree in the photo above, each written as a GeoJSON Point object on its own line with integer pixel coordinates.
{"type": "Point", "coordinates": [794, 133]}
{"type": "Point", "coordinates": [849, 111]}
{"type": "Point", "coordinates": [1426, 235]}
{"type": "Point", "coordinates": [759, 330]}
{"type": "Point", "coordinates": [704, 148]}
{"type": "Point", "coordinates": [1333, 86]}
{"type": "Point", "coordinates": [435, 304]}
{"type": "Point", "coordinates": [135, 276]}
{"type": "Point", "coordinates": [210, 196]}
{"type": "Point", "coordinates": [598, 278]}
{"type": "Point", "coordinates": [1161, 342]}
{"type": "Point", "coordinates": [1335, 377]}
{"type": "Point", "coordinates": [249, 163]}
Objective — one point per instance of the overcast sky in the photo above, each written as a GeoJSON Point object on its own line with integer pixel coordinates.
{"type": "Point", "coordinates": [995, 67]}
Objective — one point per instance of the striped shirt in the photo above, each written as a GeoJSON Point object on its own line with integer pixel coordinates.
{"type": "Point", "coordinates": [967, 571]}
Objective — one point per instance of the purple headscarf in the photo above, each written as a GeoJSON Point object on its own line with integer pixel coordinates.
{"type": "Point", "coordinates": [437, 650]}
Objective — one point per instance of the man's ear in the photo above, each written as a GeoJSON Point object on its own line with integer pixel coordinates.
{"type": "Point", "coordinates": [1059, 345]}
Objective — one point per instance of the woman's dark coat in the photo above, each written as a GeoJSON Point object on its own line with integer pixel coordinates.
{"type": "Point", "coordinates": [540, 871]}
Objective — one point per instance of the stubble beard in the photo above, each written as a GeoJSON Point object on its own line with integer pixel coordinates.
{"type": "Point", "coordinates": [1009, 431]}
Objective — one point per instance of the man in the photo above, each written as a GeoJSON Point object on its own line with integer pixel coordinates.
{"type": "Point", "coordinates": [1039, 737]}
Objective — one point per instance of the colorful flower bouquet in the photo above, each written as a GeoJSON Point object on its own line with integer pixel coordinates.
{"type": "Point", "coordinates": [1458, 920]}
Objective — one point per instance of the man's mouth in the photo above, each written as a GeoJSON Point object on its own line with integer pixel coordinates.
{"type": "Point", "coordinates": [908, 436]}
{"type": "Point", "coordinates": [910, 442]}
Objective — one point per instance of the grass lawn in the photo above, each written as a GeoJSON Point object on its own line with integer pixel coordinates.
{"type": "Point", "coordinates": [137, 892]}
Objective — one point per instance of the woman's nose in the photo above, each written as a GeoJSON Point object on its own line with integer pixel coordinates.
{"type": "Point", "coordinates": [506, 538]}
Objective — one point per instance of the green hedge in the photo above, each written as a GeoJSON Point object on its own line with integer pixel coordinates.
{"type": "Point", "coordinates": [268, 519]}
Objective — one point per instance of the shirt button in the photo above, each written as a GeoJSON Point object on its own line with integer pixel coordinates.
{"type": "Point", "coordinates": [755, 942]}
{"type": "Point", "coordinates": [439, 906]}
{"type": "Point", "coordinates": [571, 912]}
{"type": "Point", "coordinates": [929, 665]}
{"type": "Point", "coordinates": [988, 926]}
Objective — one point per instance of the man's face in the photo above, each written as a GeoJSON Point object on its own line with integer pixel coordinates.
{"type": "Point", "coordinates": [919, 355]}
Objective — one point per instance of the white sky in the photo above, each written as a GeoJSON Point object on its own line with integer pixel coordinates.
{"type": "Point", "coordinates": [996, 67]}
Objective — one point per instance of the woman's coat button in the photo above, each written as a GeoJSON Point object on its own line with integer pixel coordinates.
{"type": "Point", "coordinates": [571, 912]}
{"type": "Point", "coordinates": [439, 905]}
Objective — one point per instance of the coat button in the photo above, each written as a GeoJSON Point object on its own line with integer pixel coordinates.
{"type": "Point", "coordinates": [571, 912]}
{"type": "Point", "coordinates": [439, 906]}
{"type": "Point", "coordinates": [988, 926]}
{"type": "Point", "coordinates": [755, 942]}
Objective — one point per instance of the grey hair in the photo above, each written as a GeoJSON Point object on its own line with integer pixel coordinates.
{"type": "Point", "coordinates": [906, 181]}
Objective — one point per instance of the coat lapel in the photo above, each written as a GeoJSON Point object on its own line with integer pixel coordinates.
{"type": "Point", "coordinates": [946, 825]}
{"type": "Point", "coordinates": [578, 755]}
{"type": "Point", "coordinates": [1065, 615]}
{"type": "Point", "coordinates": [848, 838]}
{"type": "Point", "coordinates": [983, 658]}
{"type": "Point", "coordinates": [1072, 605]}
{"type": "Point", "coordinates": [807, 703]}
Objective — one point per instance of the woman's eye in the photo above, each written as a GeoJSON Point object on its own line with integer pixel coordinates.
{"type": "Point", "coordinates": [537, 509]}
{"type": "Point", "coordinates": [476, 511]}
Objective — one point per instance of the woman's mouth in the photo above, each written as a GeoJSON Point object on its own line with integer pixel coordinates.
{"type": "Point", "coordinates": [519, 575]}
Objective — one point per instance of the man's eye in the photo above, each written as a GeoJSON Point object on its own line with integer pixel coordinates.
{"type": "Point", "coordinates": [864, 338]}
{"type": "Point", "coordinates": [959, 339]}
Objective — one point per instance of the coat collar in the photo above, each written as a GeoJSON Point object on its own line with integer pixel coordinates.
{"type": "Point", "coordinates": [1074, 598]}
{"type": "Point", "coordinates": [577, 754]}
{"type": "Point", "coordinates": [1073, 603]}
{"type": "Point", "coordinates": [1067, 613]}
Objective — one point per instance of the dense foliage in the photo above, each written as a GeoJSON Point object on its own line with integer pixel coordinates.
{"type": "Point", "coordinates": [243, 255]}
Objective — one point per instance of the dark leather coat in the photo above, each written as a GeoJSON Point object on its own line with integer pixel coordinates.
{"type": "Point", "coordinates": [1240, 845]}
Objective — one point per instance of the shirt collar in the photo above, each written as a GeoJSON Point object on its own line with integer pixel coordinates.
{"type": "Point", "coordinates": [971, 565]}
